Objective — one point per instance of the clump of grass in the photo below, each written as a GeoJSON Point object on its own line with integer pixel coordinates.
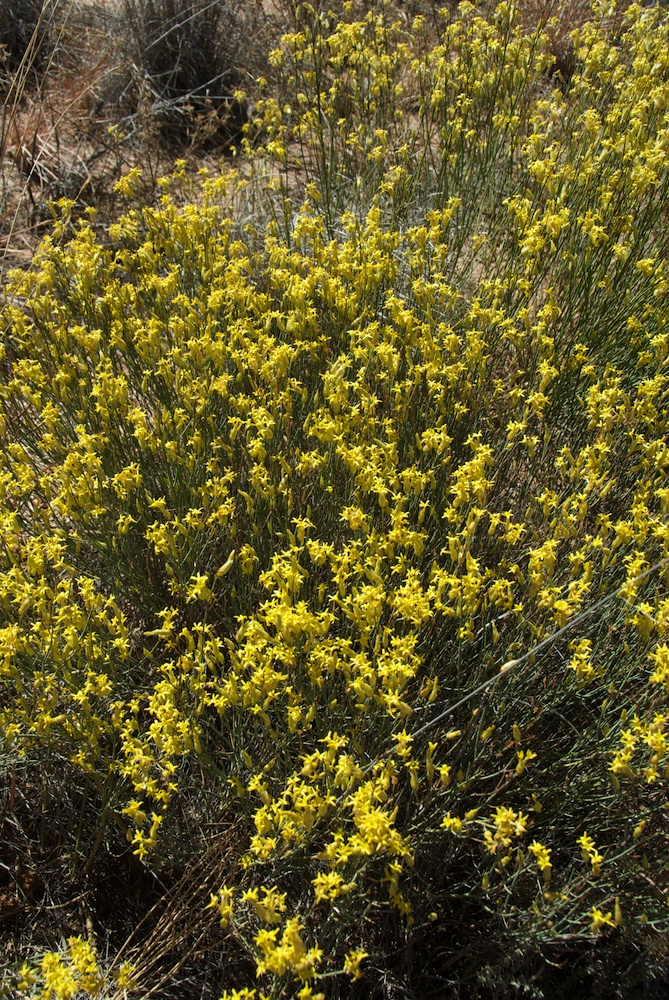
{"type": "Point", "coordinates": [334, 500]}
{"type": "Point", "coordinates": [191, 62]}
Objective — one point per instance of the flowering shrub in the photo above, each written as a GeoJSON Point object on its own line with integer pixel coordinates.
{"type": "Point", "coordinates": [360, 520]}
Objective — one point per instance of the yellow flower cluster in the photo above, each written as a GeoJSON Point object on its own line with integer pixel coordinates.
{"type": "Point", "coordinates": [589, 853]}
{"type": "Point", "coordinates": [74, 972]}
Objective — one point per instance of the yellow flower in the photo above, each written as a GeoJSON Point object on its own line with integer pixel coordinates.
{"type": "Point", "coordinates": [222, 901]}
{"type": "Point", "coordinates": [198, 590]}
{"type": "Point", "coordinates": [352, 962]}
{"type": "Point", "coordinates": [543, 858]}
{"type": "Point", "coordinates": [135, 812]}
{"type": "Point", "coordinates": [600, 920]}
{"type": "Point", "coordinates": [330, 886]}
{"type": "Point", "coordinates": [589, 852]}
{"type": "Point", "coordinates": [452, 823]}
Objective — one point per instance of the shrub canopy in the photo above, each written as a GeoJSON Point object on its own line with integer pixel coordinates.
{"type": "Point", "coordinates": [345, 535]}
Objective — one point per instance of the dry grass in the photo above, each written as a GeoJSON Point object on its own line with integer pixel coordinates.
{"type": "Point", "coordinates": [52, 142]}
